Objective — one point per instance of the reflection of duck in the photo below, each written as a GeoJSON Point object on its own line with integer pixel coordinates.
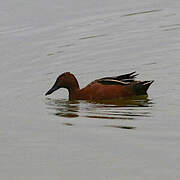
{"type": "Point", "coordinates": [108, 88]}
{"type": "Point", "coordinates": [63, 108]}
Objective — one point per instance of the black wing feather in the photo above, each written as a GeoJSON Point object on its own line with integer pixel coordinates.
{"type": "Point", "coordinates": [124, 79]}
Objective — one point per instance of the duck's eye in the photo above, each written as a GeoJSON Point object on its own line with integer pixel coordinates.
{"type": "Point", "coordinates": [60, 78]}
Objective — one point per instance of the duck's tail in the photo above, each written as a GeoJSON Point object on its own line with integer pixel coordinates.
{"type": "Point", "coordinates": [141, 87]}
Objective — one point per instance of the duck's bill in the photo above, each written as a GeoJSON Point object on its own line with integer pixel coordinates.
{"type": "Point", "coordinates": [54, 88]}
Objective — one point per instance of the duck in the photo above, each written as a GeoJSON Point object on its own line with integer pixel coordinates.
{"type": "Point", "coordinates": [107, 88]}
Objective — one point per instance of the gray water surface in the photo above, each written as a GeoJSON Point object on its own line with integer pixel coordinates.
{"type": "Point", "coordinates": [53, 138]}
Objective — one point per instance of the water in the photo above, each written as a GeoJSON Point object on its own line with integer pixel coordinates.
{"type": "Point", "coordinates": [52, 138]}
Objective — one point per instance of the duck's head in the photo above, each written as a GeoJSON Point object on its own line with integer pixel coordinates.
{"type": "Point", "coordinates": [65, 80]}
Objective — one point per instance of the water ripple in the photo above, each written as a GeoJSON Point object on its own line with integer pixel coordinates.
{"type": "Point", "coordinates": [132, 110]}
{"type": "Point", "coordinates": [143, 12]}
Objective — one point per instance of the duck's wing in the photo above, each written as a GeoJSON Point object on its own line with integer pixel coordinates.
{"type": "Point", "coordinates": [124, 79]}
{"type": "Point", "coordinates": [111, 82]}
{"type": "Point", "coordinates": [139, 87]}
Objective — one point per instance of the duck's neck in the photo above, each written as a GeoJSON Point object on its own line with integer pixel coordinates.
{"type": "Point", "coordinates": [73, 89]}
